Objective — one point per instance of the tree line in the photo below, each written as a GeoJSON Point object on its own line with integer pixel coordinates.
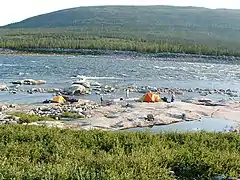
{"type": "Point", "coordinates": [122, 42]}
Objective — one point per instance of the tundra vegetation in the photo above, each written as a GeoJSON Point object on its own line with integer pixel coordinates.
{"type": "Point", "coordinates": [31, 152]}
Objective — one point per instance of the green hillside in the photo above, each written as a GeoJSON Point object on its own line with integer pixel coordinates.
{"type": "Point", "coordinates": [218, 30]}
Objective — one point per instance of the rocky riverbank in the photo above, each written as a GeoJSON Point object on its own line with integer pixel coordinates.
{"type": "Point", "coordinates": [122, 114]}
{"type": "Point", "coordinates": [85, 86]}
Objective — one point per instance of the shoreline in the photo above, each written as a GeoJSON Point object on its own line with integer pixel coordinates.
{"type": "Point", "coordinates": [134, 54]}
{"type": "Point", "coordinates": [121, 116]}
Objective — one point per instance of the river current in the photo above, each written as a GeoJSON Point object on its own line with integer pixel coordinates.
{"type": "Point", "coordinates": [59, 72]}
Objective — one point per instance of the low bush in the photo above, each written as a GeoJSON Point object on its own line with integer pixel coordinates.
{"type": "Point", "coordinates": [28, 118]}
{"type": "Point", "coordinates": [31, 152]}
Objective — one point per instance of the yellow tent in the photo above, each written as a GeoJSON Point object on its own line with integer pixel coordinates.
{"type": "Point", "coordinates": [59, 99]}
{"type": "Point", "coordinates": [151, 97]}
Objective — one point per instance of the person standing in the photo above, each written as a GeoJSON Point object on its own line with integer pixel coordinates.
{"type": "Point", "coordinates": [127, 93]}
{"type": "Point", "coordinates": [172, 97]}
{"type": "Point", "coordinates": [101, 99]}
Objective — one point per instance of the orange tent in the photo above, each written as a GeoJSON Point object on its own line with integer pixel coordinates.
{"type": "Point", "coordinates": [150, 97]}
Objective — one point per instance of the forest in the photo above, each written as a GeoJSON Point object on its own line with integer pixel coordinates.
{"type": "Point", "coordinates": [145, 29]}
{"type": "Point", "coordinates": [42, 41]}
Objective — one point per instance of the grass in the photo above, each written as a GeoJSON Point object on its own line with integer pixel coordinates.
{"type": "Point", "coordinates": [30, 152]}
{"type": "Point", "coordinates": [28, 118]}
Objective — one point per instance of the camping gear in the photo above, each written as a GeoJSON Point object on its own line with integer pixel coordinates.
{"type": "Point", "coordinates": [47, 101]}
{"type": "Point", "coordinates": [59, 99]}
{"type": "Point", "coordinates": [164, 99]}
{"type": "Point", "coordinates": [70, 99]}
{"type": "Point", "coordinates": [150, 97]}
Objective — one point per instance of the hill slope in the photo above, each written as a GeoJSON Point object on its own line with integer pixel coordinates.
{"type": "Point", "coordinates": [156, 20]}
{"type": "Point", "coordinates": [150, 17]}
{"type": "Point", "coordinates": [153, 24]}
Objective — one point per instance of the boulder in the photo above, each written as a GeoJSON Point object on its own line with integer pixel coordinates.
{"type": "Point", "coordinates": [3, 108]}
{"type": "Point", "coordinates": [83, 83]}
{"type": "Point", "coordinates": [95, 84]}
{"type": "Point", "coordinates": [3, 87]}
{"type": "Point", "coordinates": [18, 82]}
{"type": "Point", "coordinates": [28, 81]}
{"type": "Point", "coordinates": [33, 82]}
{"type": "Point", "coordinates": [150, 117]}
{"type": "Point", "coordinates": [86, 84]}
{"type": "Point", "coordinates": [75, 89]}
{"type": "Point", "coordinates": [12, 106]}
{"type": "Point", "coordinates": [38, 82]}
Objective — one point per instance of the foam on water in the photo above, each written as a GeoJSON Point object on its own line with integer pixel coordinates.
{"type": "Point", "coordinates": [95, 78]}
{"type": "Point", "coordinates": [59, 71]}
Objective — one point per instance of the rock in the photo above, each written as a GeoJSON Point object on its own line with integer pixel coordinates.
{"type": "Point", "coordinates": [184, 117]}
{"type": "Point", "coordinates": [205, 100]}
{"type": "Point", "coordinates": [14, 92]}
{"type": "Point", "coordinates": [11, 122]}
{"type": "Point", "coordinates": [3, 87]}
{"type": "Point", "coordinates": [15, 118]}
{"type": "Point", "coordinates": [150, 117]}
{"type": "Point", "coordinates": [31, 112]}
{"type": "Point", "coordinates": [33, 82]}
{"type": "Point", "coordinates": [172, 173]}
{"type": "Point", "coordinates": [74, 110]}
{"type": "Point", "coordinates": [12, 106]}
{"type": "Point", "coordinates": [231, 94]}
{"type": "Point", "coordinates": [3, 122]}
{"type": "Point", "coordinates": [18, 82]}
{"type": "Point", "coordinates": [75, 89]}
{"type": "Point", "coordinates": [3, 108]}
{"type": "Point", "coordinates": [95, 84]}
{"type": "Point", "coordinates": [3, 117]}
{"type": "Point", "coordinates": [112, 116]}
{"type": "Point", "coordinates": [38, 82]}
{"type": "Point", "coordinates": [46, 109]}
{"type": "Point", "coordinates": [29, 82]}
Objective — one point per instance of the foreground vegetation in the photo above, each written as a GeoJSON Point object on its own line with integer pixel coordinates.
{"type": "Point", "coordinates": [29, 152]}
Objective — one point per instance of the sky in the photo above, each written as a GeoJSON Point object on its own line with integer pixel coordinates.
{"type": "Point", "coordinates": [17, 10]}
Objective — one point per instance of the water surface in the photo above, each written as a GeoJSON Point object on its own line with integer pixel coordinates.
{"type": "Point", "coordinates": [59, 71]}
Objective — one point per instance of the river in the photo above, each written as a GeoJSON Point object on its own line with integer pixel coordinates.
{"type": "Point", "coordinates": [122, 71]}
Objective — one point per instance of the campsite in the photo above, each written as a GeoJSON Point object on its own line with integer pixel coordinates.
{"type": "Point", "coordinates": [147, 111]}
{"type": "Point", "coordinates": [119, 92]}
{"type": "Point", "coordinates": [117, 103]}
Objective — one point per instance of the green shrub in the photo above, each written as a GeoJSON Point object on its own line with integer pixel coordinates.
{"type": "Point", "coordinates": [28, 118]}
{"type": "Point", "coordinates": [31, 152]}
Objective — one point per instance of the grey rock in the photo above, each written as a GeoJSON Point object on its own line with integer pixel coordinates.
{"type": "Point", "coordinates": [150, 117]}
{"type": "Point", "coordinates": [12, 106]}
{"type": "Point", "coordinates": [3, 87]}
{"type": "Point", "coordinates": [31, 112]}
{"type": "Point", "coordinates": [15, 118]}
{"type": "Point", "coordinates": [3, 108]}
{"type": "Point", "coordinates": [12, 122]}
